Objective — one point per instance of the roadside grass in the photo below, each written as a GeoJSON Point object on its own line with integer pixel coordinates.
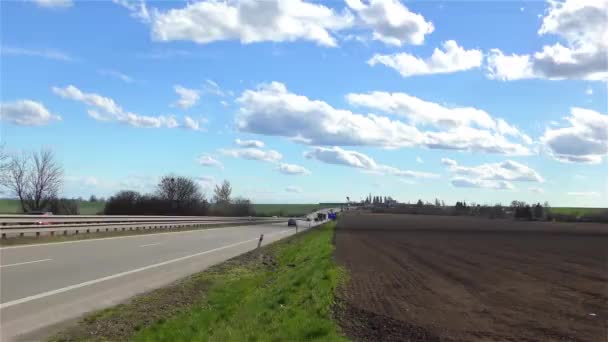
{"type": "Point", "coordinates": [280, 292]}
{"type": "Point", "coordinates": [28, 240]}
{"type": "Point", "coordinates": [576, 211]}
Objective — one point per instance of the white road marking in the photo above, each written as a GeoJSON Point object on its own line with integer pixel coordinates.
{"type": "Point", "coordinates": [150, 244]}
{"type": "Point", "coordinates": [27, 262]}
{"type": "Point", "coordinates": [117, 275]}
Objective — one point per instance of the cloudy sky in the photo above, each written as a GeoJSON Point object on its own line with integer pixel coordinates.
{"type": "Point", "coordinates": [305, 101]}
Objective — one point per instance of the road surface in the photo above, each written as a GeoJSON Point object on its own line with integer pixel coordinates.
{"type": "Point", "coordinates": [43, 286]}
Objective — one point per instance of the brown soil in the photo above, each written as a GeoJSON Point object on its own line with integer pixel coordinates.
{"type": "Point", "coordinates": [429, 278]}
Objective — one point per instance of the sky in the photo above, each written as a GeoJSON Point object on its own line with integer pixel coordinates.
{"type": "Point", "coordinates": [298, 101]}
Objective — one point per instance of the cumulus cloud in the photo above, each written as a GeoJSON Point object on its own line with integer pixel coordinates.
{"type": "Point", "coordinates": [253, 154]}
{"type": "Point", "coordinates": [391, 22]}
{"type": "Point", "coordinates": [209, 161]}
{"type": "Point", "coordinates": [249, 22]}
{"type": "Point", "coordinates": [461, 182]}
{"type": "Point", "coordinates": [419, 160]}
{"type": "Point", "coordinates": [293, 189]}
{"type": "Point", "coordinates": [464, 127]}
{"type": "Point", "coordinates": [451, 59]}
{"type": "Point", "coordinates": [106, 109]}
{"type": "Point", "coordinates": [271, 109]}
{"type": "Point", "coordinates": [187, 97]}
{"type": "Point", "coordinates": [338, 156]}
{"type": "Point", "coordinates": [54, 3]}
{"type": "Point", "coordinates": [42, 53]}
{"type": "Point", "coordinates": [192, 124]}
{"type": "Point", "coordinates": [26, 113]}
{"type": "Point", "coordinates": [249, 143]}
{"type": "Point", "coordinates": [293, 169]}
{"type": "Point", "coordinates": [582, 26]}
{"type": "Point", "coordinates": [507, 170]}
{"type": "Point", "coordinates": [585, 140]}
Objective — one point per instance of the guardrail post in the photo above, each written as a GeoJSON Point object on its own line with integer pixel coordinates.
{"type": "Point", "coordinates": [88, 231]}
{"type": "Point", "coordinates": [4, 235]}
{"type": "Point", "coordinates": [76, 232]}
{"type": "Point", "coordinates": [260, 241]}
{"type": "Point", "coordinates": [52, 233]}
{"type": "Point", "coordinates": [20, 234]}
{"type": "Point", "coordinates": [37, 234]}
{"type": "Point", "coordinates": [97, 231]}
{"type": "Point", "coordinates": [65, 232]}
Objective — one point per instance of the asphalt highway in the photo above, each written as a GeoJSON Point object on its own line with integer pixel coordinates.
{"type": "Point", "coordinates": [43, 286]}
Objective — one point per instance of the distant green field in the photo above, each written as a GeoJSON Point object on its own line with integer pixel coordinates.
{"type": "Point", "coordinates": [576, 211]}
{"type": "Point", "coordinates": [285, 209]}
{"type": "Point", "coordinates": [8, 206]}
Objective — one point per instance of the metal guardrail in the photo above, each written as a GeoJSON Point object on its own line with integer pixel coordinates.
{"type": "Point", "coordinates": [21, 231]}
{"type": "Point", "coordinates": [57, 219]}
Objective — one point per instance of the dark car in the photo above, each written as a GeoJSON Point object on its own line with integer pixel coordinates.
{"type": "Point", "coordinates": [292, 222]}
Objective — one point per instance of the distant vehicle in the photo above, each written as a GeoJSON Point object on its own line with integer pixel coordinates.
{"type": "Point", "coordinates": [292, 222]}
{"type": "Point", "coordinates": [41, 213]}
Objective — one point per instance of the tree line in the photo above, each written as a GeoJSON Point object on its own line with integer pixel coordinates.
{"type": "Point", "coordinates": [35, 179]}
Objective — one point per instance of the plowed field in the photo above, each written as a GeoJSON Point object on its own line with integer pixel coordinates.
{"type": "Point", "coordinates": [428, 278]}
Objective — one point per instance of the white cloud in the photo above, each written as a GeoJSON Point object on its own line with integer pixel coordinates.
{"type": "Point", "coordinates": [209, 161]}
{"type": "Point", "coordinates": [584, 194]}
{"type": "Point", "coordinates": [192, 124]}
{"type": "Point", "coordinates": [116, 74]}
{"type": "Point", "coordinates": [187, 97]}
{"type": "Point", "coordinates": [452, 59]}
{"type": "Point", "coordinates": [43, 53]}
{"type": "Point", "coordinates": [138, 9]}
{"type": "Point", "coordinates": [249, 22]}
{"type": "Point", "coordinates": [111, 111]}
{"type": "Point", "coordinates": [419, 160]}
{"type": "Point", "coordinates": [391, 22]}
{"type": "Point", "coordinates": [338, 156]}
{"type": "Point", "coordinates": [253, 154]}
{"type": "Point", "coordinates": [589, 91]}
{"type": "Point", "coordinates": [213, 88]}
{"type": "Point", "coordinates": [507, 170]}
{"type": "Point", "coordinates": [582, 26]}
{"type": "Point", "coordinates": [293, 169]}
{"type": "Point", "coordinates": [26, 113]}
{"type": "Point", "coordinates": [466, 127]}
{"type": "Point", "coordinates": [584, 141]}
{"type": "Point", "coordinates": [461, 182]}
{"type": "Point", "coordinates": [536, 189]}
{"type": "Point", "coordinates": [271, 109]}
{"type": "Point", "coordinates": [249, 143]}
{"type": "Point", "coordinates": [293, 189]}
{"type": "Point", "coordinates": [54, 3]}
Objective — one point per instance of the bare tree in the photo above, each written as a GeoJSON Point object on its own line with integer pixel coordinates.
{"type": "Point", "coordinates": [179, 189]}
{"type": "Point", "coordinates": [46, 178]}
{"type": "Point", "coordinates": [34, 179]}
{"type": "Point", "coordinates": [17, 178]}
{"type": "Point", "coordinates": [222, 193]}
{"type": "Point", "coordinates": [4, 167]}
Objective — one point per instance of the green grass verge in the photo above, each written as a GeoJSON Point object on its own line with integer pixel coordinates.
{"type": "Point", "coordinates": [281, 292]}
{"type": "Point", "coordinates": [576, 211]}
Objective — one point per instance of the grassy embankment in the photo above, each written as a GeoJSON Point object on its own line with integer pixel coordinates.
{"type": "Point", "coordinates": [576, 211]}
{"type": "Point", "coordinates": [281, 292]}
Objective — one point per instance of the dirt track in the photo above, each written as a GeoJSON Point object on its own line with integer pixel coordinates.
{"type": "Point", "coordinates": [428, 278]}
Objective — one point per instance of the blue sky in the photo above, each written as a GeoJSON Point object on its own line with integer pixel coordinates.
{"type": "Point", "coordinates": [477, 101]}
